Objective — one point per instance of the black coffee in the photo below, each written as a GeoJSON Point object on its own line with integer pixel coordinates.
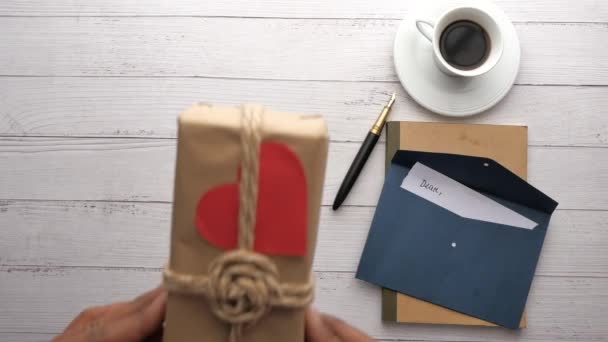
{"type": "Point", "coordinates": [464, 45]}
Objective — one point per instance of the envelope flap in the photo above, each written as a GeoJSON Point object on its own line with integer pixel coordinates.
{"type": "Point", "coordinates": [482, 174]}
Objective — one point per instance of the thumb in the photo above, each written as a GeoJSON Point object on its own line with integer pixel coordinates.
{"type": "Point", "coordinates": [326, 328]}
{"type": "Point", "coordinates": [140, 322]}
{"type": "Point", "coordinates": [316, 329]}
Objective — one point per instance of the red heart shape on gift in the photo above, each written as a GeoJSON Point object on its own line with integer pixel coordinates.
{"type": "Point", "coordinates": [281, 217]}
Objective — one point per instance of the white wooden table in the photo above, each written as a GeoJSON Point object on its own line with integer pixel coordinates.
{"type": "Point", "coordinates": [89, 93]}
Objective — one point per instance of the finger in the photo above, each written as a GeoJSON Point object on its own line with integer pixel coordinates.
{"type": "Point", "coordinates": [148, 297]}
{"type": "Point", "coordinates": [343, 331]}
{"type": "Point", "coordinates": [138, 324]}
{"type": "Point", "coordinates": [88, 331]}
{"type": "Point", "coordinates": [86, 316]}
{"type": "Point", "coordinates": [156, 336]}
{"type": "Point", "coordinates": [94, 323]}
{"type": "Point", "coordinates": [316, 330]}
{"type": "Point", "coordinates": [139, 303]}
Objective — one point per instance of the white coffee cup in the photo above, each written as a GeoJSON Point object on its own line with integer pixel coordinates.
{"type": "Point", "coordinates": [432, 31]}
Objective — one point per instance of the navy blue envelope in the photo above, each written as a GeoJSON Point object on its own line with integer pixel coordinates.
{"type": "Point", "coordinates": [488, 275]}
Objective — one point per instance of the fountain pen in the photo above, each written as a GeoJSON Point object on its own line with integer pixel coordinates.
{"type": "Point", "coordinates": [366, 149]}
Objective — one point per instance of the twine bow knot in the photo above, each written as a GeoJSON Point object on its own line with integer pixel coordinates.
{"type": "Point", "coordinates": [242, 286]}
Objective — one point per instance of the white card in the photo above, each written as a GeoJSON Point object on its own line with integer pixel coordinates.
{"type": "Point", "coordinates": [460, 199]}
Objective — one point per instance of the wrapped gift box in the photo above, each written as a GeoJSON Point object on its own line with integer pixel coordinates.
{"type": "Point", "coordinates": [292, 156]}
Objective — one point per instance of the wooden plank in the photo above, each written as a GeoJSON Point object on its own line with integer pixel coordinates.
{"type": "Point", "coordinates": [25, 337]}
{"type": "Point", "coordinates": [142, 170]}
{"type": "Point", "coordinates": [540, 10]}
{"type": "Point", "coordinates": [299, 49]}
{"type": "Point", "coordinates": [43, 300]}
{"type": "Point", "coordinates": [104, 234]}
{"type": "Point", "coordinates": [147, 107]}
{"type": "Point", "coordinates": [85, 233]}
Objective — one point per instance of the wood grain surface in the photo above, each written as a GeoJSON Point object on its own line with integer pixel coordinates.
{"type": "Point", "coordinates": [90, 92]}
{"type": "Point", "coordinates": [538, 10]}
{"type": "Point", "coordinates": [148, 107]}
{"type": "Point", "coordinates": [295, 49]}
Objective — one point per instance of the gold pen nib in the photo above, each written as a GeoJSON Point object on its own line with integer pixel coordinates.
{"type": "Point", "coordinates": [377, 127]}
{"type": "Point", "coordinates": [392, 100]}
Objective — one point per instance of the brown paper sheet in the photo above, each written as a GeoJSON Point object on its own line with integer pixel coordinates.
{"type": "Point", "coordinates": [208, 155]}
{"type": "Point", "coordinates": [508, 145]}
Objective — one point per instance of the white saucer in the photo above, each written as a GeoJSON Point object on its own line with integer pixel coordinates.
{"type": "Point", "coordinates": [443, 94]}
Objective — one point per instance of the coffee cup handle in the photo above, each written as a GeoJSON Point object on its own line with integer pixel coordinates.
{"type": "Point", "coordinates": [425, 27]}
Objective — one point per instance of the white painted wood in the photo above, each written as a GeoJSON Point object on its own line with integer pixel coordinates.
{"type": "Point", "coordinates": [106, 234]}
{"type": "Point", "coordinates": [142, 170]}
{"type": "Point", "coordinates": [25, 337]}
{"type": "Point", "coordinates": [85, 234]}
{"type": "Point", "coordinates": [300, 49]}
{"type": "Point", "coordinates": [539, 10]}
{"type": "Point", "coordinates": [558, 308]}
{"type": "Point", "coordinates": [147, 107]}
{"type": "Point", "coordinates": [152, 59]}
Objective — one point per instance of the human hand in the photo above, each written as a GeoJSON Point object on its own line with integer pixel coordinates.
{"type": "Point", "coordinates": [325, 328]}
{"type": "Point", "coordinates": [119, 322]}
{"type": "Point", "coordinates": [135, 320]}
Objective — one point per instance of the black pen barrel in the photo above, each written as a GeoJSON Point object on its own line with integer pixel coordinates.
{"type": "Point", "coordinates": [355, 168]}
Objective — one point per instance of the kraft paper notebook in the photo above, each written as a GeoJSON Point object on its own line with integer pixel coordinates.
{"type": "Point", "coordinates": [507, 145]}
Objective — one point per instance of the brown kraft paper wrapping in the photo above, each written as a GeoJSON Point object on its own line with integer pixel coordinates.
{"type": "Point", "coordinates": [208, 155]}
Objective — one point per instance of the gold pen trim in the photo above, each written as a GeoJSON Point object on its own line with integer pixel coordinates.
{"type": "Point", "coordinates": [379, 124]}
